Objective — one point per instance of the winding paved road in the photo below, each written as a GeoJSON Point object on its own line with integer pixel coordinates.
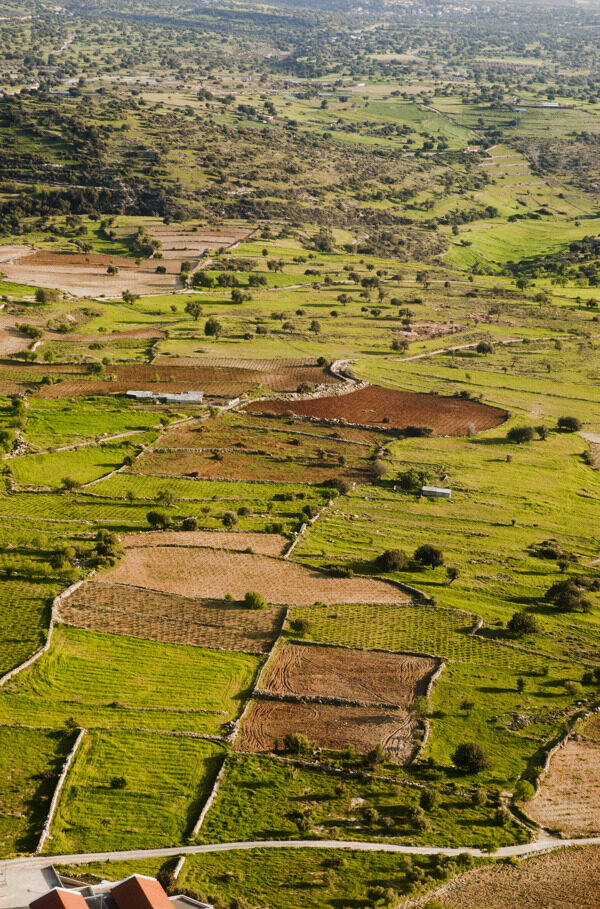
{"type": "Point", "coordinates": [29, 877]}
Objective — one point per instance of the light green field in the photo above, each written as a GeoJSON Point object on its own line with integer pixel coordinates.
{"type": "Point", "coordinates": [167, 782]}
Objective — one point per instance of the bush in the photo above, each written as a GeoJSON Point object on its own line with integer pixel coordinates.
{"type": "Point", "coordinates": [569, 424]}
{"type": "Point", "coordinates": [229, 519]}
{"type": "Point", "coordinates": [429, 799]}
{"type": "Point", "coordinates": [430, 555]}
{"type": "Point", "coordinates": [520, 434]}
{"type": "Point", "coordinates": [158, 520]}
{"type": "Point", "coordinates": [118, 782]}
{"type": "Point", "coordinates": [254, 600]}
{"type": "Point", "coordinates": [484, 347]}
{"type": "Point", "coordinates": [190, 523]}
{"type": "Point", "coordinates": [568, 595]}
{"type": "Point", "coordinates": [300, 626]}
{"type": "Point", "coordinates": [417, 818]}
{"type": "Point", "coordinates": [340, 485]}
{"type": "Point", "coordinates": [296, 743]}
{"type": "Point", "coordinates": [379, 469]}
{"type": "Point", "coordinates": [392, 560]}
{"type": "Point", "coordinates": [522, 623]}
{"type": "Point", "coordinates": [470, 758]}
{"type": "Point", "coordinates": [524, 791]}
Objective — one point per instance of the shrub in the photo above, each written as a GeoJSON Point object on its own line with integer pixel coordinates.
{"type": "Point", "coordinates": [417, 818]}
{"type": "Point", "coordinates": [254, 600]}
{"type": "Point", "coordinates": [520, 434]}
{"type": "Point", "coordinates": [392, 560]}
{"type": "Point", "coordinates": [568, 595]}
{"type": "Point", "coordinates": [524, 791]}
{"type": "Point", "coordinates": [430, 555]}
{"type": "Point", "coordinates": [522, 623]}
{"type": "Point", "coordinates": [502, 817]}
{"type": "Point", "coordinates": [190, 523]}
{"type": "Point", "coordinates": [229, 519]}
{"type": "Point", "coordinates": [375, 756]}
{"type": "Point", "coordinates": [300, 626]}
{"type": "Point", "coordinates": [296, 743]}
{"type": "Point", "coordinates": [118, 782]}
{"type": "Point", "coordinates": [429, 799]}
{"type": "Point", "coordinates": [470, 758]}
{"type": "Point", "coordinates": [340, 485]}
{"type": "Point", "coordinates": [158, 520]}
{"type": "Point", "coordinates": [379, 469]}
{"type": "Point", "coordinates": [484, 347]}
{"type": "Point", "coordinates": [569, 424]}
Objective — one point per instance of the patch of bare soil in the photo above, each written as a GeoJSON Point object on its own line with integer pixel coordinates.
{"type": "Point", "coordinates": [122, 609]}
{"type": "Point", "coordinates": [270, 544]}
{"type": "Point", "coordinates": [569, 796]}
{"type": "Point", "coordinates": [332, 727]}
{"type": "Point", "coordinates": [565, 879]}
{"type": "Point", "coordinates": [353, 675]}
{"type": "Point", "coordinates": [387, 408]}
{"type": "Point", "coordinates": [212, 573]}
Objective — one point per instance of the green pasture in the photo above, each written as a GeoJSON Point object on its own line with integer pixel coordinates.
{"type": "Point", "coordinates": [167, 781]}
{"type": "Point", "coordinates": [105, 680]}
{"type": "Point", "coordinates": [264, 798]}
{"type": "Point", "coordinates": [80, 464]}
{"type": "Point", "coordinates": [30, 763]}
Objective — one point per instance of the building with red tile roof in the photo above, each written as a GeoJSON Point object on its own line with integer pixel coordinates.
{"type": "Point", "coordinates": [59, 898]}
{"type": "Point", "coordinates": [138, 892]}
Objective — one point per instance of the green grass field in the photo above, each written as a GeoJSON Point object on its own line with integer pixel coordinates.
{"type": "Point", "coordinates": [167, 780]}
{"type": "Point", "coordinates": [105, 680]}
{"type": "Point", "coordinates": [30, 763]}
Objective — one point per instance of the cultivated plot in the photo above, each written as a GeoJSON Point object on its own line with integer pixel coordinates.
{"type": "Point", "coordinates": [569, 796]}
{"type": "Point", "coordinates": [385, 408]}
{"type": "Point", "coordinates": [213, 573]}
{"type": "Point", "coordinates": [354, 675]}
{"type": "Point", "coordinates": [121, 609]}
{"type": "Point", "coordinates": [331, 727]}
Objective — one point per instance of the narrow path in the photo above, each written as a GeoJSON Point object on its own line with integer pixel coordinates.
{"type": "Point", "coordinates": [542, 845]}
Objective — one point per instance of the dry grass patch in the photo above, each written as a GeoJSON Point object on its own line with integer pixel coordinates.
{"type": "Point", "coordinates": [569, 796]}
{"type": "Point", "coordinates": [566, 879]}
{"type": "Point", "coordinates": [271, 544]}
{"type": "Point", "coordinates": [212, 573]}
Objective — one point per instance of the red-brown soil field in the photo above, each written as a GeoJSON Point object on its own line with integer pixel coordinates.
{"type": "Point", "coordinates": [328, 726]}
{"type": "Point", "coordinates": [386, 408]}
{"type": "Point", "coordinates": [565, 879]}
{"type": "Point", "coordinates": [352, 675]}
{"type": "Point", "coordinates": [569, 796]}
{"type": "Point", "coordinates": [214, 381]}
{"type": "Point", "coordinates": [122, 609]}
{"type": "Point", "coordinates": [212, 573]}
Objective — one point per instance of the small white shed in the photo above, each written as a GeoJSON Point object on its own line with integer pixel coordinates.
{"type": "Point", "coordinates": [436, 492]}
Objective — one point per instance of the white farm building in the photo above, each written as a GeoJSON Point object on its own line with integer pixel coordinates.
{"type": "Point", "coordinates": [436, 492]}
{"type": "Point", "coordinates": [182, 397]}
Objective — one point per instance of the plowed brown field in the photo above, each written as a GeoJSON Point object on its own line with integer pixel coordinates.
{"type": "Point", "coordinates": [121, 609]}
{"type": "Point", "coordinates": [569, 796]}
{"type": "Point", "coordinates": [214, 381]}
{"type": "Point", "coordinates": [354, 675]}
{"type": "Point", "coordinates": [389, 409]}
{"type": "Point", "coordinates": [332, 727]}
{"type": "Point", "coordinates": [565, 879]}
{"type": "Point", "coordinates": [212, 573]}
{"type": "Point", "coordinates": [86, 275]}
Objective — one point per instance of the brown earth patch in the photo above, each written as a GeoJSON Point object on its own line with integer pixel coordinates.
{"type": "Point", "coordinates": [186, 243]}
{"type": "Point", "coordinates": [386, 408]}
{"type": "Point", "coordinates": [11, 340]}
{"type": "Point", "coordinates": [333, 727]}
{"type": "Point", "coordinates": [122, 609]}
{"type": "Point", "coordinates": [86, 275]}
{"type": "Point", "coordinates": [212, 573]}
{"type": "Point", "coordinates": [565, 879]}
{"type": "Point", "coordinates": [353, 675]}
{"type": "Point", "coordinates": [569, 796]}
{"type": "Point", "coordinates": [271, 544]}
{"type": "Point", "coordinates": [171, 376]}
